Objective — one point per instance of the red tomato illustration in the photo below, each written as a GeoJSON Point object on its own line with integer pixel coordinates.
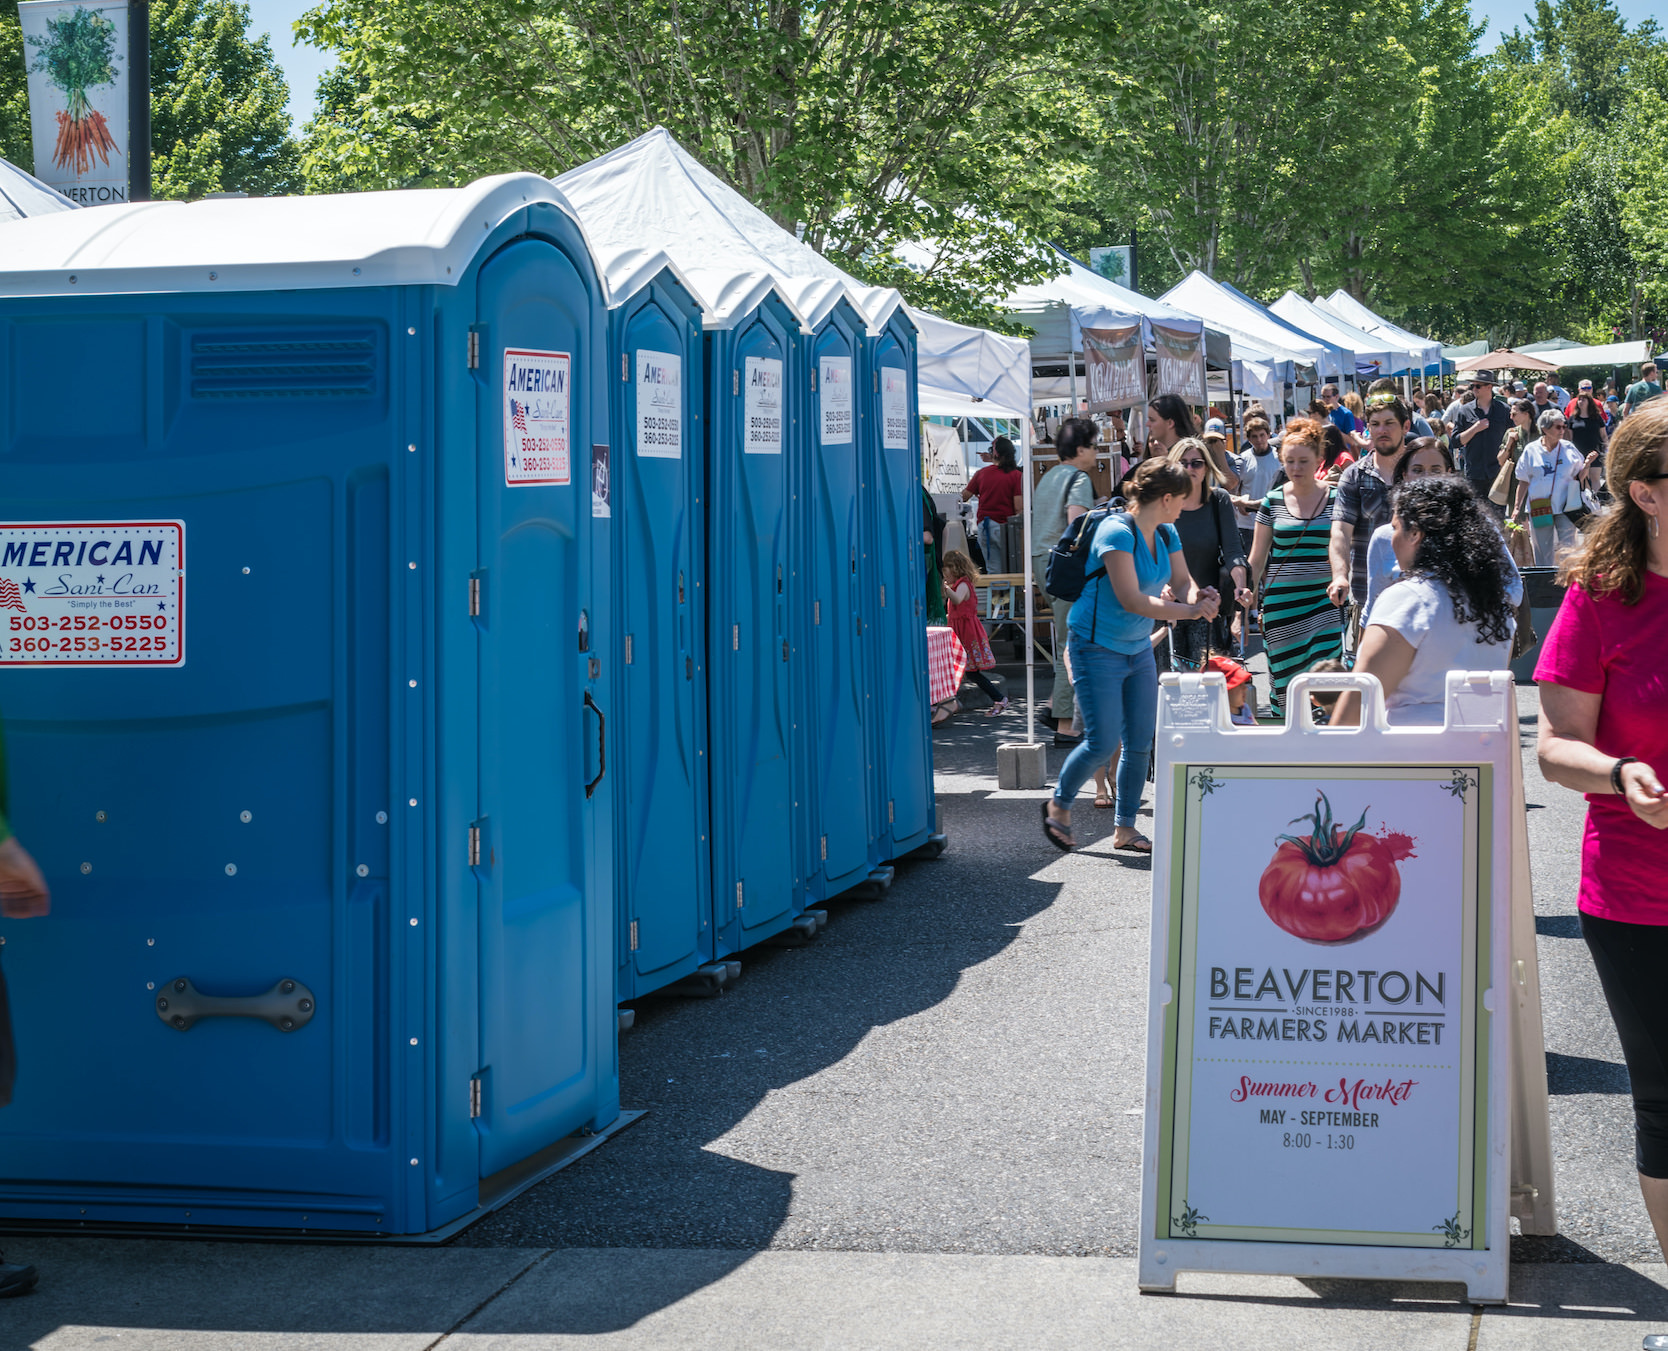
{"type": "Point", "coordinates": [1333, 883]}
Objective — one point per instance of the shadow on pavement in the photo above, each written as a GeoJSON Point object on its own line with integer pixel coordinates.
{"type": "Point", "coordinates": [1583, 1074]}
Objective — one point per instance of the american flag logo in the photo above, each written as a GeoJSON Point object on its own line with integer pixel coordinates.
{"type": "Point", "coordinates": [518, 415]}
{"type": "Point", "coordinates": [10, 597]}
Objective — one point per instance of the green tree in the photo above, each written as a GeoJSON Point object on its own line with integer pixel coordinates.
{"type": "Point", "coordinates": [16, 144]}
{"type": "Point", "coordinates": [218, 119]}
{"type": "Point", "coordinates": [862, 122]}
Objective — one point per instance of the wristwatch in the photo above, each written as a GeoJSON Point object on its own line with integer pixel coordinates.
{"type": "Point", "coordinates": [1616, 771]}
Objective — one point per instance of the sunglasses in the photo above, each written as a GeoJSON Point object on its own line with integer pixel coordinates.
{"type": "Point", "coordinates": [1192, 464]}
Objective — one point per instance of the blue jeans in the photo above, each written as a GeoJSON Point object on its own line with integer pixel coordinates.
{"type": "Point", "coordinates": [990, 545]}
{"type": "Point", "coordinates": [1117, 696]}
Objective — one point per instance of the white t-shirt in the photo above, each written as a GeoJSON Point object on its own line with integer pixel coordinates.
{"type": "Point", "coordinates": [1256, 476]}
{"type": "Point", "coordinates": [1420, 610]}
{"type": "Point", "coordinates": [1551, 473]}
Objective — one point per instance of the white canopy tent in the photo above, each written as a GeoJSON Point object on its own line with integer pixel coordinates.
{"type": "Point", "coordinates": [1633, 353]}
{"type": "Point", "coordinates": [1375, 355]}
{"type": "Point", "coordinates": [1350, 310]}
{"type": "Point", "coordinates": [1222, 305]}
{"type": "Point", "coordinates": [23, 195]}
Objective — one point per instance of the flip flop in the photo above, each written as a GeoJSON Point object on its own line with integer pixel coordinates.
{"type": "Point", "coordinates": [1136, 844]}
{"type": "Point", "coordinates": [1055, 832]}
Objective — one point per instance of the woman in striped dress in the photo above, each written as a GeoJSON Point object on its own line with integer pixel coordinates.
{"type": "Point", "coordinates": [1294, 524]}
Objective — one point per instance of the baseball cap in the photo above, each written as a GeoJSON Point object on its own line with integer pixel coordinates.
{"type": "Point", "coordinates": [1216, 425]}
{"type": "Point", "coordinates": [1237, 675]}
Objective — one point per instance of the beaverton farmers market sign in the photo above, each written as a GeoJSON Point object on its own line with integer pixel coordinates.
{"type": "Point", "coordinates": [1328, 1064]}
{"type": "Point", "coordinates": [76, 55]}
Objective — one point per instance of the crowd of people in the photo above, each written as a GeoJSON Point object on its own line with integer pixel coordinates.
{"type": "Point", "coordinates": [1377, 535]}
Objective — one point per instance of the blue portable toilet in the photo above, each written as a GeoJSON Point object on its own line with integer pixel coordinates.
{"type": "Point", "coordinates": [664, 902]}
{"type": "Point", "coordinates": [755, 603]}
{"type": "Point", "coordinates": [308, 711]}
{"type": "Point", "coordinates": [837, 688]}
{"type": "Point", "coordinates": [903, 761]}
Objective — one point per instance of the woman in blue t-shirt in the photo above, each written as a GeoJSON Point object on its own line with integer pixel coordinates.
{"type": "Point", "coordinates": [1136, 574]}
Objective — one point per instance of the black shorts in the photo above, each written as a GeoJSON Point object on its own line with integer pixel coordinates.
{"type": "Point", "coordinates": [1631, 960]}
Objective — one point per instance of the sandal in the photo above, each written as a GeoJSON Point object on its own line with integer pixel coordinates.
{"type": "Point", "coordinates": [1055, 833]}
{"type": "Point", "coordinates": [1104, 800]}
{"type": "Point", "coordinates": [941, 717]}
{"type": "Point", "coordinates": [1136, 844]}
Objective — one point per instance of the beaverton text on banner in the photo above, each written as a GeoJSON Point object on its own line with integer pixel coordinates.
{"type": "Point", "coordinates": [1115, 367]}
{"type": "Point", "coordinates": [76, 58]}
{"type": "Point", "coordinates": [1181, 364]}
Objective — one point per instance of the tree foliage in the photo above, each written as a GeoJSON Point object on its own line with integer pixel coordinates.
{"type": "Point", "coordinates": [860, 122]}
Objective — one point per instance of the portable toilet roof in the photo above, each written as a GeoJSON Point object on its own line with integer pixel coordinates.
{"type": "Point", "coordinates": [23, 195]}
{"type": "Point", "coordinates": [412, 237]}
{"type": "Point", "coordinates": [730, 252]}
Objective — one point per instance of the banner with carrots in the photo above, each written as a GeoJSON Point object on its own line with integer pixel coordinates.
{"type": "Point", "coordinates": [76, 54]}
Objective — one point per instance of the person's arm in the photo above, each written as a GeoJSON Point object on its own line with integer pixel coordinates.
{"type": "Point", "coordinates": [972, 489]}
{"type": "Point", "coordinates": [1508, 443]}
{"type": "Point", "coordinates": [958, 591]}
{"type": "Point", "coordinates": [1120, 571]}
{"type": "Point", "coordinates": [1182, 584]}
{"type": "Point", "coordinates": [1233, 550]}
{"type": "Point", "coordinates": [1564, 747]}
{"type": "Point", "coordinates": [1338, 555]}
{"type": "Point", "coordinates": [1383, 653]}
{"type": "Point", "coordinates": [1262, 540]}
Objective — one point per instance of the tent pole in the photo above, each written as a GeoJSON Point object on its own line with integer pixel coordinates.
{"type": "Point", "coordinates": [1071, 356]}
{"type": "Point", "coordinates": [1030, 600]}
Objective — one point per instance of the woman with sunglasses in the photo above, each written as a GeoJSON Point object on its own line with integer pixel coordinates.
{"type": "Point", "coordinates": [1550, 473]}
{"type": "Point", "coordinates": [1211, 547]}
{"type": "Point", "coordinates": [1602, 733]}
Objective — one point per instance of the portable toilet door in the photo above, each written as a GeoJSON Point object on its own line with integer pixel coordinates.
{"type": "Point", "coordinates": [904, 752]}
{"type": "Point", "coordinates": [539, 842]}
{"type": "Point", "coordinates": [754, 602]}
{"type": "Point", "coordinates": [837, 687]}
{"type": "Point", "coordinates": [312, 806]}
{"type": "Point", "coordinates": [660, 610]}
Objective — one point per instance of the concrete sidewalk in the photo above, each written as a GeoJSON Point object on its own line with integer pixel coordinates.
{"type": "Point", "coordinates": [167, 1296]}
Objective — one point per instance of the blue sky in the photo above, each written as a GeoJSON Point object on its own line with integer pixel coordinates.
{"type": "Point", "coordinates": [303, 65]}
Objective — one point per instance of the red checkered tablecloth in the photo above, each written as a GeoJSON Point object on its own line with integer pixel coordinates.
{"type": "Point", "coordinates": [946, 664]}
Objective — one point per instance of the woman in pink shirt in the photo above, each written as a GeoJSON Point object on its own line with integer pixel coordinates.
{"type": "Point", "coordinates": [1604, 689]}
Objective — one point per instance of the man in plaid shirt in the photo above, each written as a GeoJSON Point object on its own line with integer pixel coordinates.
{"type": "Point", "coordinates": [23, 895]}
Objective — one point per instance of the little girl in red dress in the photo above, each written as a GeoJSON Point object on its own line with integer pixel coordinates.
{"type": "Point", "coordinates": [963, 608]}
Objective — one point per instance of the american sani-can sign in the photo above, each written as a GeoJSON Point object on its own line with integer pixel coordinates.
{"type": "Point", "coordinates": [92, 593]}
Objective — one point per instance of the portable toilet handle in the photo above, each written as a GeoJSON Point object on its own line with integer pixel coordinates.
{"type": "Point", "coordinates": [288, 1005]}
{"type": "Point", "coordinates": [602, 744]}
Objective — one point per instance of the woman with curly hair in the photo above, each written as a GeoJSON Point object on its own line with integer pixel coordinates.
{"type": "Point", "coordinates": [1603, 734]}
{"type": "Point", "coordinates": [1451, 611]}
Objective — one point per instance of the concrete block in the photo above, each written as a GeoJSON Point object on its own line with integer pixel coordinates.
{"type": "Point", "coordinates": [1021, 766]}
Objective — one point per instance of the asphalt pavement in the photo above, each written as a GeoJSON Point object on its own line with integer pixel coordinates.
{"type": "Point", "coordinates": [921, 1129]}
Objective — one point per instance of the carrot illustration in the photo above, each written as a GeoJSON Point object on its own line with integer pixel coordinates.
{"type": "Point", "coordinates": [77, 54]}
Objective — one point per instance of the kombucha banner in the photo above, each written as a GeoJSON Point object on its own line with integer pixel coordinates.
{"type": "Point", "coordinates": [1181, 364]}
{"type": "Point", "coordinates": [1115, 367]}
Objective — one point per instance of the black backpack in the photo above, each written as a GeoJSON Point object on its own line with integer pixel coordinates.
{"type": "Point", "coordinates": [1067, 572]}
